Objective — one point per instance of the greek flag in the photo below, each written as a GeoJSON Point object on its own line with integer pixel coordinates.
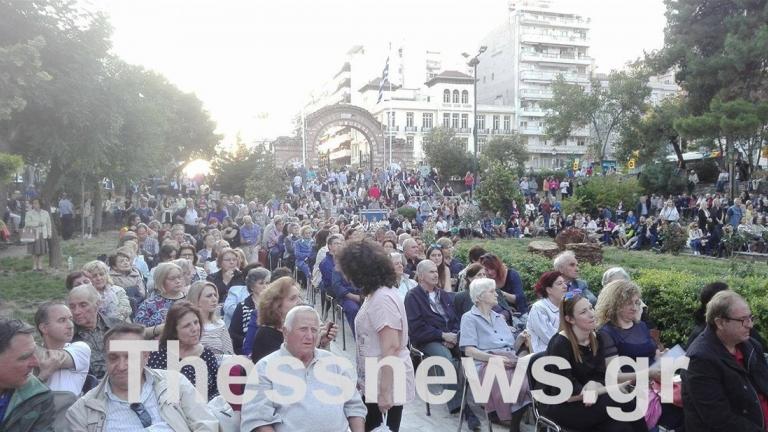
{"type": "Point", "coordinates": [384, 78]}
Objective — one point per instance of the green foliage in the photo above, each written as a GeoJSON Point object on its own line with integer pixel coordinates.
{"type": "Point", "coordinates": [664, 178]}
{"type": "Point", "coordinates": [646, 137]}
{"type": "Point", "coordinates": [507, 150]}
{"type": "Point", "coordinates": [606, 191]}
{"type": "Point", "coordinates": [407, 212]}
{"type": "Point", "coordinates": [604, 108]}
{"type": "Point", "coordinates": [674, 238]}
{"type": "Point", "coordinates": [20, 64]}
{"type": "Point", "coordinates": [706, 169]}
{"type": "Point", "coordinates": [498, 189]}
{"type": "Point", "coordinates": [9, 165]}
{"type": "Point", "coordinates": [670, 286]}
{"type": "Point", "coordinates": [448, 153]}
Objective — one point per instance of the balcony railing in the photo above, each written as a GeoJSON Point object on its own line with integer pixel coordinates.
{"type": "Point", "coordinates": [411, 129]}
{"type": "Point", "coordinates": [464, 130]}
{"type": "Point", "coordinates": [554, 39]}
{"type": "Point", "coordinates": [561, 58]}
{"type": "Point", "coordinates": [551, 76]}
{"type": "Point", "coordinates": [482, 131]}
{"type": "Point", "coordinates": [549, 20]}
{"type": "Point", "coordinates": [426, 128]}
{"type": "Point", "coordinates": [391, 128]}
{"type": "Point", "coordinates": [536, 93]}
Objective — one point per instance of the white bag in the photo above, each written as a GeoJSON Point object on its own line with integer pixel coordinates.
{"type": "Point", "coordinates": [229, 419]}
{"type": "Point", "coordinates": [383, 426]}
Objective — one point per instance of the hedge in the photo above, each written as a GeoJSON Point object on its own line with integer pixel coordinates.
{"type": "Point", "coordinates": [671, 296]}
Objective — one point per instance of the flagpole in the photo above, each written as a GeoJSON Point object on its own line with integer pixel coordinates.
{"type": "Point", "coordinates": [392, 114]}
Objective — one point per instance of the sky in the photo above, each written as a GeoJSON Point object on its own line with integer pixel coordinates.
{"type": "Point", "coordinates": [253, 63]}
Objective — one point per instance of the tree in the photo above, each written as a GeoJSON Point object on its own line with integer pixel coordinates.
{"type": "Point", "coordinates": [498, 188]}
{"type": "Point", "coordinates": [719, 48]}
{"type": "Point", "coordinates": [446, 152]}
{"type": "Point", "coordinates": [646, 137]}
{"type": "Point", "coordinates": [20, 64]}
{"type": "Point", "coordinates": [508, 150]}
{"type": "Point", "coordinates": [663, 178]}
{"type": "Point", "coordinates": [602, 107]}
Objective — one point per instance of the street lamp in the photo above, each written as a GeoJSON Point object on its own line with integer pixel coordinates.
{"type": "Point", "coordinates": [474, 61]}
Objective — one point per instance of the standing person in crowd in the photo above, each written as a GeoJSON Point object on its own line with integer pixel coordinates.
{"type": "Point", "coordinates": [485, 335]}
{"type": "Point", "coordinates": [90, 325]}
{"type": "Point", "coordinates": [302, 332]}
{"type": "Point", "coordinates": [577, 343]}
{"type": "Point", "coordinates": [183, 324]}
{"type": "Point", "coordinates": [568, 266]}
{"type": "Point", "coordinates": [725, 387]}
{"type": "Point", "coordinates": [215, 336]}
{"type": "Point", "coordinates": [106, 408]}
{"type": "Point", "coordinates": [544, 316]}
{"type": "Point", "coordinates": [303, 248]}
{"type": "Point", "coordinates": [63, 365]}
{"type": "Point", "coordinates": [381, 327]}
{"type": "Point", "coordinates": [114, 301]}
{"type": "Point", "coordinates": [272, 241]}
{"type": "Point", "coordinates": [256, 281]}
{"type": "Point", "coordinates": [188, 216]}
{"type": "Point", "coordinates": [228, 275]}
{"type": "Point", "coordinates": [169, 283]}
{"type": "Point", "coordinates": [507, 280]}
{"type": "Point", "coordinates": [250, 238]}
{"type": "Point", "coordinates": [67, 215]}
{"type": "Point", "coordinates": [25, 403]}
{"type": "Point", "coordinates": [38, 221]}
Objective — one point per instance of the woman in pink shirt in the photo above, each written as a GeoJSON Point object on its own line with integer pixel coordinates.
{"type": "Point", "coordinates": [381, 329]}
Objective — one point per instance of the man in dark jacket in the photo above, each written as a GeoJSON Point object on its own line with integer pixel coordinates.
{"type": "Point", "coordinates": [433, 325]}
{"type": "Point", "coordinates": [26, 404]}
{"type": "Point", "coordinates": [725, 387]}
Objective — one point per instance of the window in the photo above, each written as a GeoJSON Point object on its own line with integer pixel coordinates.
{"type": "Point", "coordinates": [481, 141]}
{"type": "Point", "coordinates": [465, 97]}
{"type": "Point", "coordinates": [426, 120]}
{"type": "Point", "coordinates": [409, 140]}
{"type": "Point", "coordinates": [493, 75]}
{"type": "Point", "coordinates": [507, 123]}
{"type": "Point", "coordinates": [464, 121]}
{"type": "Point", "coordinates": [496, 123]}
{"type": "Point", "coordinates": [409, 119]}
{"type": "Point", "coordinates": [455, 96]}
{"type": "Point", "coordinates": [480, 122]}
{"type": "Point", "coordinates": [524, 124]}
{"type": "Point", "coordinates": [580, 142]}
{"type": "Point", "coordinates": [446, 120]}
{"type": "Point", "coordinates": [446, 96]}
{"type": "Point", "coordinates": [390, 118]}
{"type": "Point", "coordinates": [455, 122]}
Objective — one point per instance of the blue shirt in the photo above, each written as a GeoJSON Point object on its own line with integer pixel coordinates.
{"type": "Point", "coordinates": [5, 400]}
{"type": "Point", "coordinates": [65, 207]}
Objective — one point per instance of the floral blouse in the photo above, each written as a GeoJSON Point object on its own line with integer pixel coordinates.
{"type": "Point", "coordinates": [153, 310]}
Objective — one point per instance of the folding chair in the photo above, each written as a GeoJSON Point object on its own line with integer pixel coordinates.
{"type": "Point", "coordinates": [416, 358]}
{"type": "Point", "coordinates": [465, 403]}
{"type": "Point", "coordinates": [540, 421]}
{"type": "Point", "coordinates": [340, 309]}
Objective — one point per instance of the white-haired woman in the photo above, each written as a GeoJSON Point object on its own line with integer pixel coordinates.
{"type": "Point", "coordinates": [169, 288]}
{"type": "Point", "coordinates": [114, 301]}
{"type": "Point", "coordinates": [404, 282]}
{"type": "Point", "coordinates": [215, 336]}
{"type": "Point", "coordinates": [485, 335]}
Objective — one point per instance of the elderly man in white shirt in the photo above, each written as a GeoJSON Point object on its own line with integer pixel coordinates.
{"type": "Point", "coordinates": [314, 411]}
{"type": "Point", "coordinates": [63, 365]}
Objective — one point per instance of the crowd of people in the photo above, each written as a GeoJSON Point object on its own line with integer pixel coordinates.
{"type": "Point", "coordinates": [229, 277]}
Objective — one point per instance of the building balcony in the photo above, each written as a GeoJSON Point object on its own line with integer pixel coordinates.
{"type": "Point", "coordinates": [531, 130]}
{"type": "Point", "coordinates": [533, 112]}
{"type": "Point", "coordinates": [464, 130]}
{"type": "Point", "coordinates": [532, 56]}
{"type": "Point", "coordinates": [411, 129]}
{"type": "Point", "coordinates": [391, 128]}
{"type": "Point", "coordinates": [528, 93]}
{"type": "Point", "coordinates": [554, 39]}
{"type": "Point", "coordinates": [340, 154]}
{"type": "Point", "coordinates": [426, 128]}
{"type": "Point", "coordinates": [535, 75]}
{"type": "Point", "coordinates": [483, 131]}
{"type": "Point", "coordinates": [579, 23]}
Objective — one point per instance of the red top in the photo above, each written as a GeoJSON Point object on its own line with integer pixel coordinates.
{"type": "Point", "coordinates": [469, 180]}
{"type": "Point", "coordinates": [739, 356]}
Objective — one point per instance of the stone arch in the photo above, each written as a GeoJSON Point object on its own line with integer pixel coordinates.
{"type": "Point", "coordinates": [351, 116]}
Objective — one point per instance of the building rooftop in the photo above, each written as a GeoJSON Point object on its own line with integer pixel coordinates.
{"type": "Point", "coordinates": [450, 76]}
{"type": "Point", "coordinates": [374, 85]}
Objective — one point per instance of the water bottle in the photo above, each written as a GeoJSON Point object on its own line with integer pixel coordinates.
{"type": "Point", "coordinates": [70, 263]}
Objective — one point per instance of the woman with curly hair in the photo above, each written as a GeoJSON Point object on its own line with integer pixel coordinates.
{"type": "Point", "coordinates": [114, 301]}
{"type": "Point", "coordinates": [381, 326]}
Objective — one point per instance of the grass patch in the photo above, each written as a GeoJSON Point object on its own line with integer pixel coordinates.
{"type": "Point", "coordinates": [22, 289]}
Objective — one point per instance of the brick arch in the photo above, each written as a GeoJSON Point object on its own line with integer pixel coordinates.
{"type": "Point", "coordinates": [346, 115]}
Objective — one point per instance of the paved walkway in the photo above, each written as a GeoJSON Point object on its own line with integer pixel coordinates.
{"type": "Point", "coordinates": [415, 417]}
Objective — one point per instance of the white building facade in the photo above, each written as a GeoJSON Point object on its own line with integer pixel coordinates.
{"type": "Point", "coordinates": [538, 43]}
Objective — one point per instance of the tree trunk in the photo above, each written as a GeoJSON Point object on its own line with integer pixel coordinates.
{"type": "Point", "coordinates": [48, 195]}
{"type": "Point", "coordinates": [97, 213]}
{"type": "Point", "coordinates": [678, 152]}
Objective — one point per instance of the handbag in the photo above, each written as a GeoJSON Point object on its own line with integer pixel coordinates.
{"type": "Point", "coordinates": [653, 413]}
{"type": "Point", "coordinates": [383, 426]}
{"type": "Point", "coordinates": [28, 236]}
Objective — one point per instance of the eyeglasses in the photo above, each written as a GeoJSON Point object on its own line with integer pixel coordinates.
{"type": "Point", "coordinates": [571, 294]}
{"type": "Point", "coordinates": [141, 412]}
{"type": "Point", "coordinates": [435, 246]}
{"type": "Point", "coordinates": [744, 321]}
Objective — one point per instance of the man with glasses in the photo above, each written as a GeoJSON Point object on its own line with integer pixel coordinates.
{"type": "Point", "coordinates": [725, 387]}
{"type": "Point", "coordinates": [26, 404]}
{"type": "Point", "coordinates": [108, 408]}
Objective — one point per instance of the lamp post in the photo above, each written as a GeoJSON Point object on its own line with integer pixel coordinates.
{"type": "Point", "coordinates": [474, 61]}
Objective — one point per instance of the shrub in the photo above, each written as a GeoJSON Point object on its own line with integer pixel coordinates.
{"type": "Point", "coordinates": [663, 178]}
{"type": "Point", "coordinates": [498, 189]}
{"type": "Point", "coordinates": [407, 212]}
{"type": "Point", "coordinates": [605, 191]}
{"type": "Point", "coordinates": [671, 295]}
